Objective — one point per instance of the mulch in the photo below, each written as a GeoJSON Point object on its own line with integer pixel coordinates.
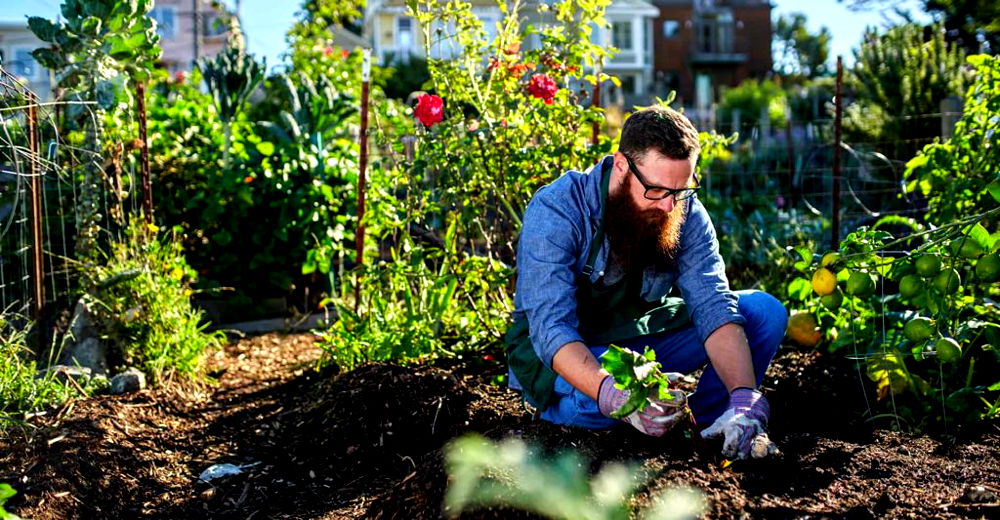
{"type": "Point", "coordinates": [367, 444]}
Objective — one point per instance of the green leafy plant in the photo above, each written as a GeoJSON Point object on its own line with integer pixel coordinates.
{"type": "Point", "coordinates": [141, 298]}
{"type": "Point", "coordinates": [484, 473]}
{"type": "Point", "coordinates": [6, 491]}
{"type": "Point", "coordinates": [22, 388]}
{"type": "Point", "coordinates": [639, 374]}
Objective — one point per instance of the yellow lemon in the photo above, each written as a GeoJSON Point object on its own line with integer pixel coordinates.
{"type": "Point", "coordinates": [824, 281]}
{"type": "Point", "coordinates": [803, 329]}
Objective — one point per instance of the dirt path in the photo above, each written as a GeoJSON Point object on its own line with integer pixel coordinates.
{"type": "Point", "coordinates": [366, 444]}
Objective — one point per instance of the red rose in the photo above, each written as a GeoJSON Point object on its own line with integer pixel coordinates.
{"type": "Point", "coordinates": [328, 50]}
{"type": "Point", "coordinates": [430, 109]}
{"type": "Point", "coordinates": [543, 87]}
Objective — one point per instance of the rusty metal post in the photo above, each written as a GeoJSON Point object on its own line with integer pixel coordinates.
{"type": "Point", "coordinates": [791, 160]}
{"type": "Point", "coordinates": [38, 261]}
{"type": "Point", "coordinates": [839, 102]}
{"type": "Point", "coordinates": [363, 165]}
{"type": "Point", "coordinates": [147, 183]}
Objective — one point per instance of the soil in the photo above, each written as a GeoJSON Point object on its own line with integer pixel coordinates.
{"type": "Point", "coordinates": [367, 444]}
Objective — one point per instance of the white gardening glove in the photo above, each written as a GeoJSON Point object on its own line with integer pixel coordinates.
{"type": "Point", "coordinates": [744, 426]}
{"type": "Point", "coordinates": [655, 418]}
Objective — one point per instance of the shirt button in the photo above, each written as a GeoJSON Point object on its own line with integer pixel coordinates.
{"type": "Point", "coordinates": [600, 273]}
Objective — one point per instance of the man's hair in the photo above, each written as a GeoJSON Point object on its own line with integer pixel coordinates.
{"type": "Point", "coordinates": [662, 129]}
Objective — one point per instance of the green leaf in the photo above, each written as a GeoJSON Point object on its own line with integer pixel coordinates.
{"type": "Point", "coordinates": [980, 236]}
{"type": "Point", "coordinates": [266, 148]}
{"type": "Point", "coordinates": [994, 189]}
{"type": "Point", "coordinates": [799, 289]}
{"type": "Point", "coordinates": [107, 94]}
{"type": "Point", "coordinates": [49, 58]}
{"type": "Point", "coordinates": [43, 28]}
{"type": "Point", "coordinates": [91, 26]}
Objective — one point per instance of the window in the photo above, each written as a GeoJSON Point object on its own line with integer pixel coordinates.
{"type": "Point", "coordinates": [404, 34]}
{"type": "Point", "coordinates": [24, 64]}
{"type": "Point", "coordinates": [621, 35]}
{"type": "Point", "coordinates": [214, 26]}
{"type": "Point", "coordinates": [166, 21]}
{"type": "Point", "coordinates": [671, 28]}
{"type": "Point", "coordinates": [628, 84]}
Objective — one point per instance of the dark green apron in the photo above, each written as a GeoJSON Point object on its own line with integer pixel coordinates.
{"type": "Point", "coordinates": [607, 313]}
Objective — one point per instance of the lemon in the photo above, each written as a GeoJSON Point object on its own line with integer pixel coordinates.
{"type": "Point", "coordinates": [988, 268]}
{"type": "Point", "coordinates": [860, 284]}
{"type": "Point", "coordinates": [918, 329]}
{"type": "Point", "coordinates": [833, 300]}
{"type": "Point", "coordinates": [829, 258]}
{"type": "Point", "coordinates": [948, 350]}
{"type": "Point", "coordinates": [928, 266]}
{"type": "Point", "coordinates": [966, 248]}
{"type": "Point", "coordinates": [824, 281]}
{"type": "Point", "coordinates": [911, 285]}
{"type": "Point", "coordinates": [947, 281]}
{"type": "Point", "coordinates": [803, 329]}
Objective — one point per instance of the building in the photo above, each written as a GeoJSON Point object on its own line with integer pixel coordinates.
{"type": "Point", "coordinates": [175, 22]}
{"type": "Point", "coordinates": [16, 44]}
{"type": "Point", "coordinates": [393, 34]}
{"type": "Point", "coordinates": [701, 46]}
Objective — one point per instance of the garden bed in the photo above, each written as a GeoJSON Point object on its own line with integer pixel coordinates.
{"type": "Point", "coordinates": [366, 444]}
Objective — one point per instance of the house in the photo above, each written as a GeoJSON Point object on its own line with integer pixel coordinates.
{"type": "Point", "coordinates": [175, 23]}
{"type": "Point", "coordinates": [394, 35]}
{"type": "Point", "coordinates": [16, 44]}
{"type": "Point", "coordinates": [701, 46]}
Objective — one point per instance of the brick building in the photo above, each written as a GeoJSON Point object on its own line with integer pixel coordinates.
{"type": "Point", "coordinates": [700, 46]}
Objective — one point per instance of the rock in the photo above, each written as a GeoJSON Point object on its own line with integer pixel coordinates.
{"type": "Point", "coordinates": [90, 353]}
{"type": "Point", "coordinates": [63, 373]}
{"type": "Point", "coordinates": [979, 495]}
{"type": "Point", "coordinates": [129, 381]}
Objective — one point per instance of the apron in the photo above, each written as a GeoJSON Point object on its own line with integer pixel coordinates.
{"type": "Point", "coordinates": [614, 312]}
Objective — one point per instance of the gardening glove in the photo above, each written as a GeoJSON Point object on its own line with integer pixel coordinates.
{"type": "Point", "coordinates": [655, 418]}
{"type": "Point", "coordinates": [743, 426]}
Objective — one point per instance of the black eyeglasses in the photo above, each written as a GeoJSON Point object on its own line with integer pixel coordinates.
{"type": "Point", "coordinates": [654, 192]}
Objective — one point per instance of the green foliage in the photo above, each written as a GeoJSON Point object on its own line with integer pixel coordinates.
{"type": "Point", "coordinates": [231, 76]}
{"type": "Point", "coordinates": [142, 305]}
{"type": "Point", "coordinates": [639, 374]}
{"type": "Point", "coordinates": [22, 388]}
{"type": "Point", "coordinates": [802, 55]}
{"type": "Point", "coordinates": [899, 80]}
{"type": "Point", "coordinates": [958, 177]}
{"type": "Point", "coordinates": [754, 100]}
{"type": "Point", "coordinates": [484, 473]}
{"type": "Point", "coordinates": [5, 493]}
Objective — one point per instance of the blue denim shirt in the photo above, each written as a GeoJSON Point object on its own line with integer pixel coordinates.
{"type": "Point", "coordinates": [559, 225]}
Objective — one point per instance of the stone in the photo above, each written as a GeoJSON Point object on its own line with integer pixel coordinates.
{"type": "Point", "coordinates": [129, 381]}
{"type": "Point", "coordinates": [89, 353]}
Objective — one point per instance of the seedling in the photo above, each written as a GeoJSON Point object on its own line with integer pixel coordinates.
{"type": "Point", "coordinates": [638, 374]}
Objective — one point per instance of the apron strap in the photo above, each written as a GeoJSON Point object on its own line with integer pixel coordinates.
{"type": "Point", "coordinates": [598, 240]}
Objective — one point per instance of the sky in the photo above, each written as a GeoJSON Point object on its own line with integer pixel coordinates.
{"type": "Point", "coordinates": [267, 21]}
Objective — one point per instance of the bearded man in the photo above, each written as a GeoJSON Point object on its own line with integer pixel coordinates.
{"type": "Point", "coordinates": [597, 258]}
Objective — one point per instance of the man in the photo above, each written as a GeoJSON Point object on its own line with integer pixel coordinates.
{"type": "Point", "coordinates": [597, 256]}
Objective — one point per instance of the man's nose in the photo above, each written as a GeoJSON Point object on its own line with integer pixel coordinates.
{"type": "Point", "coordinates": [666, 204]}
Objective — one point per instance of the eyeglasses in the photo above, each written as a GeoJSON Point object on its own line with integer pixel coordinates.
{"type": "Point", "coordinates": [654, 192]}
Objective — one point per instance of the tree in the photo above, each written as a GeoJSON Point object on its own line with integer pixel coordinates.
{"type": "Point", "coordinates": [899, 80]}
{"type": "Point", "coordinates": [802, 54]}
{"type": "Point", "coordinates": [972, 24]}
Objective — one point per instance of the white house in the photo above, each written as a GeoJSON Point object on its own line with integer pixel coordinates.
{"type": "Point", "coordinates": [16, 44]}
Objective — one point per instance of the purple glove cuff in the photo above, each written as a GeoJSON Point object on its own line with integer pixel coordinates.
{"type": "Point", "coordinates": [751, 403]}
{"type": "Point", "coordinates": [610, 398]}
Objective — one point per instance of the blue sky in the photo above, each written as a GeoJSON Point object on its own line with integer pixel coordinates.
{"type": "Point", "coordinates": [266, 21]}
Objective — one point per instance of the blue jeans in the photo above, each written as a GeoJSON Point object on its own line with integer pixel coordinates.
{"type": "Point", "coordinates": [682, 351]}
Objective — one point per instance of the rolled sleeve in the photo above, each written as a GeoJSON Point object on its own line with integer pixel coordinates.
{"type": "Point", "coordinates": [548, 249]}
{"type": "Point", "coordinates": [702, 275]}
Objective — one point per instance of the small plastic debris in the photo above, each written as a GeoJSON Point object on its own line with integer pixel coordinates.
{"type": "Point", "coordinates": [221, 470]}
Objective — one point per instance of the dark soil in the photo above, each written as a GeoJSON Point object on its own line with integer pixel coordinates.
{"type": "Point", "coordinates": [367, 444]}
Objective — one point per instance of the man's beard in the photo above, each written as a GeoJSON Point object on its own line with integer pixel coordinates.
{"type": "Point", "coordinates": [641, 238]}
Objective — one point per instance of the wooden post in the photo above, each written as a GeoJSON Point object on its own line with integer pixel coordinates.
{"type": "Point", "coordinates": [38, 261]}
{"type": "Point", "coordinates": [835, 232]}
{"type": "Point", "coordinates": [147, 183]}
{"type": "Point", "coordinates": [595, 127]}
{"type": "Point", "coordinates": [791, 161]}
{"type": "Point", "coordinates": [363, 163]}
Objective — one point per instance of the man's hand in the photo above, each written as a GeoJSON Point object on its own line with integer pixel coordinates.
{"type": "Point", "coordinates": [744, 426]}
{"type": "Point", "coordinates": [655, 418]}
